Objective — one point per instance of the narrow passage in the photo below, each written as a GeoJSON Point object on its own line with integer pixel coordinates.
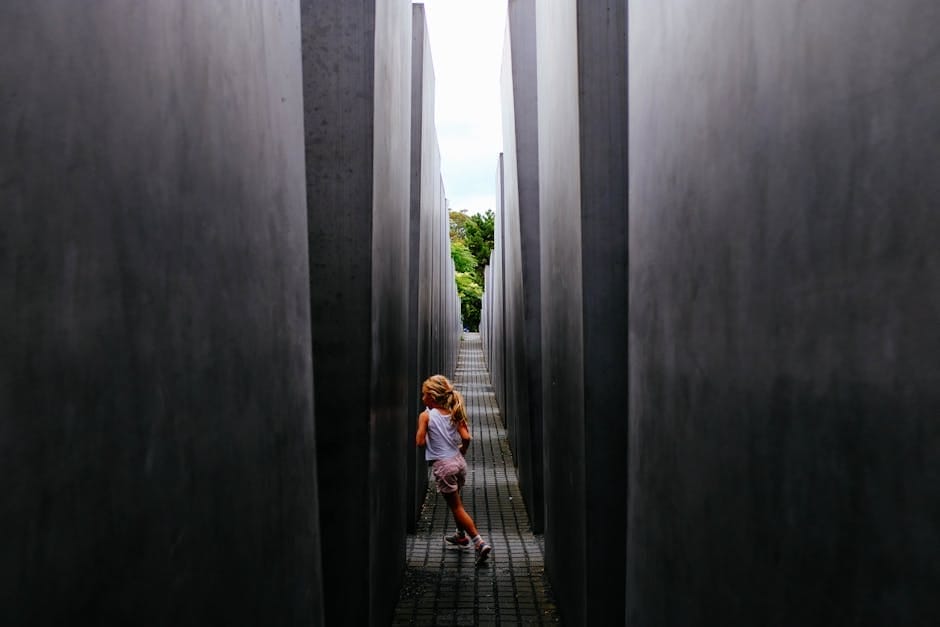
{"type": "Point", "coordinates": [441, 585]}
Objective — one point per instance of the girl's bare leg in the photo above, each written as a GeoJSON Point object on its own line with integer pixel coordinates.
{"type": "Point", "coordinates": [461, 517]}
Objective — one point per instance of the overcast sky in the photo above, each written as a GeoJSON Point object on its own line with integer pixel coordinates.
{"type": "Point", "coordinates": [467, 48]}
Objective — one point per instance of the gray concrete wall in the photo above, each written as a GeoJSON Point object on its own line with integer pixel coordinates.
{"type": "Point", "coordinates": [523, 408]}
{"type": "Point", "coordinates": [422, 76]}
{"type": "Point", "coordinates": [784, 304]}
{"type": "Point", "coordinates": [582, 141]}
{"type": "Point", "coordinates": [513, 400]}
{"type": "Point", "coordinates": [495, 338]}
{"type": "Point", "coordinates": [156, 413]}
{"type": "Point", "coordinates": [434, 321]}
{"type": "Point", "coordinates": [357, 102]}
{"type": "Point", "coordinates": [486, 319]}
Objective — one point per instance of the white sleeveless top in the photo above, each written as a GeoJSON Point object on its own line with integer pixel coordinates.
{"type": "Point", "coordinates": [443, 440]}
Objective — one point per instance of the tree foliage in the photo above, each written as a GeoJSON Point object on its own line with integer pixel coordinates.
{"type": "Point", "coordinates": [480, 235]}
{"type": "Point", "coordinates": [464, 261]}
{"type": "Point", "coordinates": [458, 225]}
{"type": "Point", "coordinates": [471, 241]}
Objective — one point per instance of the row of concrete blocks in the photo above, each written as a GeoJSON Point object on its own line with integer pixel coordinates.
{"type": "Point", "coordinates": [224, 271]}
{"type": "Point", "coordinates": [711, 311]}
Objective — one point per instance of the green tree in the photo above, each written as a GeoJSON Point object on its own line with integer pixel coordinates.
{"type": "Point", "coordinates": [471, 241]}
{"type": "Point", "coordinates": [471, 299]}
{"type": "Point", "coordinates": [464, 261]}
{"type": "Point", "coordinates": [480, 235]}
{"type": "Point", "coordinates": [458, 225]}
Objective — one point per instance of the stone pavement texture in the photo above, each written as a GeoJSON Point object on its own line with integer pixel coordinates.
{"type": "Point", "coordinates": [441, 584]}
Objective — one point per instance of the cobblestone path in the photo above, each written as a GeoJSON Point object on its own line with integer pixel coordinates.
{"type": "Point", "coordinates": [441, 584]}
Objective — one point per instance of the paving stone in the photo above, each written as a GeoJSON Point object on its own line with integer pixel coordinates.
{"type": "Point", "coordinates": [441, 585]}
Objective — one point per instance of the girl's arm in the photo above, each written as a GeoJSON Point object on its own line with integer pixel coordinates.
{"type": "Point", "coordinates": [422, 434]}
{"type": "Point", "coordinates": [464, 437]}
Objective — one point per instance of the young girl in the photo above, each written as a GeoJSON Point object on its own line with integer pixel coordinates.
{"type": "Point", "coordinates": [442, 427]}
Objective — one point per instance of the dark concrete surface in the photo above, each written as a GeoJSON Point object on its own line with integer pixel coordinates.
{"type": "Point", "coordinates": [523, 146]}
{"type": "Point", "coordinates": [156, 423]}
{"type": "Point", "coordinates": [784, 433]}
{"type": "Point", "coordinates": [422, 75]}
{"type": "Point", "coordinates": [357, 103]}
{"type": "Point", "coordinates": [434, 320]}
{"type": "Point", "coordinates": [492, 309]}
{"type": "Point", "coordinates": [513, 388]}
{"type": "Point", "coordinates": [501, 339]}
{"type": "Point", "coordinates": [582, 139]}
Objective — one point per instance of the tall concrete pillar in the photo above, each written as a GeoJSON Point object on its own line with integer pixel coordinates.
{"type": "Point", "coordinates": [157, 455]}
{"type": "Point", "coordinates": [496, 287]}
{"type": "Point", "coordinates": [784, 305]}
{"type": "Point", "coordinates": [582, 143]}
{"type": "Point", "coordinates": [357, 104]}
{"type": "Point", "coordinates": [422, 75]}
{"type": "Point", "coordinates": [433, 320]}
{"type": "Point", "coordinates": [523, 408]}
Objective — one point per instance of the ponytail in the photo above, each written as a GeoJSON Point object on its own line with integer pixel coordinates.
{"type": "Point", "coordinates": [458, 411]}
{"type": "Point", "coordinates": [445, 395]}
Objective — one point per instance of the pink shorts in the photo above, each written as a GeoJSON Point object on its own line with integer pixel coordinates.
{"type": "Point", "coordinates": [450, 474]}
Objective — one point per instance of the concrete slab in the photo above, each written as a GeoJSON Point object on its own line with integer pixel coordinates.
{"type": "Point", "coordinates": [522, 327]}
{"type": "Point", "coordinates": [156, 415]}
{"type": "Point", "coordinates": [783, 260]}
{"type": "Point", "coordinates": [357, 103]}
{"type": "Point", "coordinates": [582, 111]}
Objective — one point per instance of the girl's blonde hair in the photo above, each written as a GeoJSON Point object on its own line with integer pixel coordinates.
{"type": "Point", "coordinates": [445, 395]}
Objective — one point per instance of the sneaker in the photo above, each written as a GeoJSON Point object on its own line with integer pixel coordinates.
{"type": "Point", "coordinates": [483, 551]}
{"type": "Point", "coordinates": [458, 539]}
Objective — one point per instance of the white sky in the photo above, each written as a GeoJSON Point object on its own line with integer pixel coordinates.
{"type": "Point", "coordinates": [466, 39]}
